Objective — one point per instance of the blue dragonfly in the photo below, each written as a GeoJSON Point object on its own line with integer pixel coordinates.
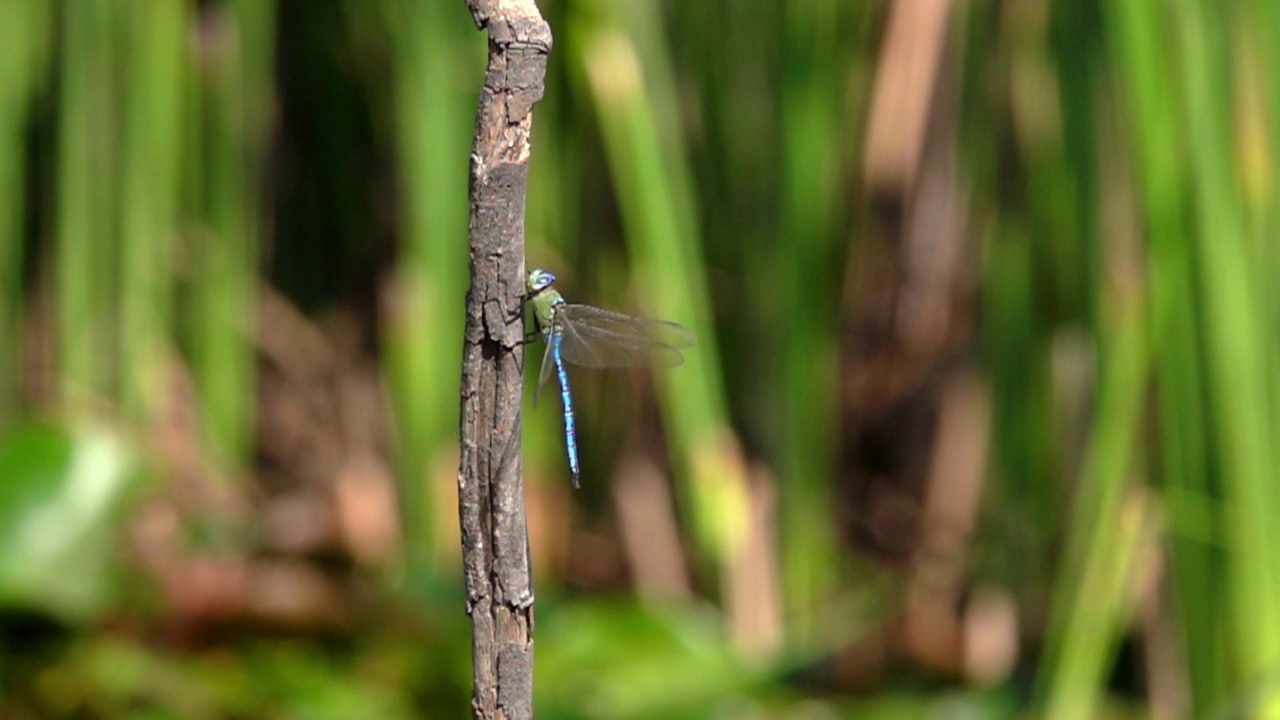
{"type": "Point", "coordinates": [592, 337]}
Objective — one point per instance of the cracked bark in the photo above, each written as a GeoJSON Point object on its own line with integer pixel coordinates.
{"type": "Point", "coordinates": [495, 554]}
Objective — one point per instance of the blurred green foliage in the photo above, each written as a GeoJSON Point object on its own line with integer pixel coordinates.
{"type": "Point", "coordinates": [61, 501]}
{"type": "Point", "coordinates": [164, 163]}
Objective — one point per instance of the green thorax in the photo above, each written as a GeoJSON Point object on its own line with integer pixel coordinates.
{"type": "Point", "coordinates": [543, 306]}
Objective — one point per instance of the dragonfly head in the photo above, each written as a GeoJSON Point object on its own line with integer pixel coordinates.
{"type": "Point", "coordinates": [540, 280]}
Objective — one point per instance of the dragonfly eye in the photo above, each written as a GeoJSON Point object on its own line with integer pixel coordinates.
{"type": "Point", "coordinates": [540, 280]}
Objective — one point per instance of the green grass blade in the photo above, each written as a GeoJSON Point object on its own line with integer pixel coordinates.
{"type": "Point", "coordinates": [438, 64]}
{"type": "Point", "coordinates": [84, 265]}
{"type": "Point", "coordinates": [1237, 363]}
{"type": "Point", "coordinates": [1147, 88]}
{"type": "Point", "coordinates": [236, 110]}
{"type": "Point", "coordinates": [1095, 592]}
{"type": "Point", "coordinates": [654, 191]}
{"type": "Point", "coordinates": [24, 44]}
{"type": "Point", "coordinates": [156, 42]}
{"type": "Point", "coordinates": [801, 278]}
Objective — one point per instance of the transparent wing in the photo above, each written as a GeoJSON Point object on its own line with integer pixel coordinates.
{"type": "Point", "coordinates": [545, 371]}
{"type": "Point", "coordinates": [599, 338]}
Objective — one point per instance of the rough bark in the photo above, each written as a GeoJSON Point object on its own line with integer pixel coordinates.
{"type": "Point", "coordinates": [490, 493]}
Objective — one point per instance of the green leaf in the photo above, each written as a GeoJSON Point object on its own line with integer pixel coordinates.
{"type": "Point", "coordinates": [59, 494]}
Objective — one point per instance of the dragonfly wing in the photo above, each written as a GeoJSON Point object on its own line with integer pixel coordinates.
{"type": "Point", "coordinates": [582, 346]}
{"type": "Point", "coordinates": [580, 350]}
{"type": "Point", "coordinates": [646, 331]}
{"type": "Point", "coordinates": [599, 338]}
{"type": "Point", "coordinates": [544, 372]}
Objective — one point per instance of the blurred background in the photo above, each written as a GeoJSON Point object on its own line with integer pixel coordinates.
{"type": "Point", "coordinates": [981, 422]}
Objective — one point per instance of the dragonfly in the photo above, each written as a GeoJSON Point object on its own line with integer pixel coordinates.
{"type": "Point", "coordinates": [592, 337]}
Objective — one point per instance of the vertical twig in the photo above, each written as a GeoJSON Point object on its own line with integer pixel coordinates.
{"type": "Point", "coordinates": [490, 495]}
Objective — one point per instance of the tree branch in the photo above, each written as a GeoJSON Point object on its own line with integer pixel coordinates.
{"type": "Point", "coordinates": [495, 552]}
